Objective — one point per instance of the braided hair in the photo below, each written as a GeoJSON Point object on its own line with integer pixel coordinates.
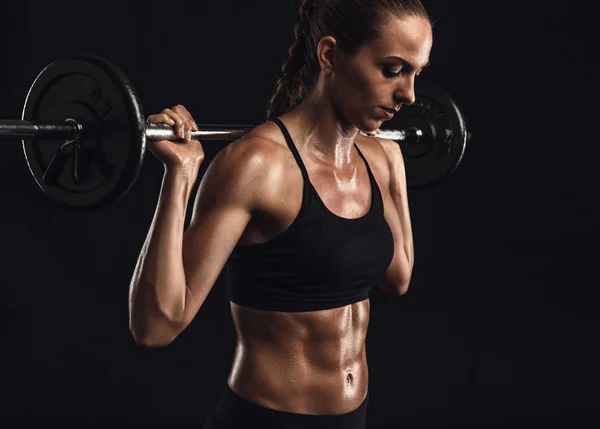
{"type": "Point", "coordinates": [351, 22]}
{"type": "Point", "coordinates": [291, 87]}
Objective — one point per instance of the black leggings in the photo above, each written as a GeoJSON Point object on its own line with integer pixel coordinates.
{"type": "Point", "coordinates": [235, 412]}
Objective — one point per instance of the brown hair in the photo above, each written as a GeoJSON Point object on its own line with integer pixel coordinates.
{"type": "Point", "coordinates": [351, 22]}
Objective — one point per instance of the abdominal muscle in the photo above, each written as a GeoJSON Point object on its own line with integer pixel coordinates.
{"type": "Point", "coordinates": [301, 362]}
{"type": "Point", "coordinates": [304, 363]}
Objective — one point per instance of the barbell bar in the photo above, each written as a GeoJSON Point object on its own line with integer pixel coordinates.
{"type": "Point", "coordinates": [70, 130]}
{"type": "Point", "coordinates": [84, 132]}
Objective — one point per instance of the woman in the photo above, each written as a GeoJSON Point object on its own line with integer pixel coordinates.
{"type": "Point", "coordinates": [307, 213]}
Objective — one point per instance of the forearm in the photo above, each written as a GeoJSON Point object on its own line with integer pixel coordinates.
{"type": "Point", "coordinates": [158, 287]}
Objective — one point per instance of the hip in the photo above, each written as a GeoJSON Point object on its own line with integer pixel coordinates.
{"type": "Point", "coordinates": [235, 412]}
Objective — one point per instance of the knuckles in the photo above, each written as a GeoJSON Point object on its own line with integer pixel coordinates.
{"type": "Point", "coordinates": [178, 114]}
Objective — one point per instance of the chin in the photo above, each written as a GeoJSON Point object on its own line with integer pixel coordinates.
{"type": "Point", "coordinates": [370, 125]}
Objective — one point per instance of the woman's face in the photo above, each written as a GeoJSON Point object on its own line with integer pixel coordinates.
{"type": "Point", "coordinates": [381, 75]}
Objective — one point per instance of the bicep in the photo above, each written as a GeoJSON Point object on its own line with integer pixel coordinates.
{"type": "Point", "coordinates": [395, 163]}
{"type": "Point", "coordinates": [397, 217]}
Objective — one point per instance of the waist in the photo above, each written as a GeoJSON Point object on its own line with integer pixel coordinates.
{"type": "Point", "coordinates": [297, 380]}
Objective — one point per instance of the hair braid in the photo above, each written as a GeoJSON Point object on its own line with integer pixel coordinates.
{"type": "Point", "coordinates": [291, 86]}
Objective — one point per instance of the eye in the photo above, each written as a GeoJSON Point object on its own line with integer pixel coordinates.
{"type": "Point", "coordinates": [391, 73]}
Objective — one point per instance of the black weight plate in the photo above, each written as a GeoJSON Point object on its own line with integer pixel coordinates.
{"type": "Point", "coordinates": [97, 94]}
{"type": "Point", "coordinates": [441, 149]}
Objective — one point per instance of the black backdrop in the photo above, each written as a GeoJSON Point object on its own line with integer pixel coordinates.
{"type": "Point", "coordinates": [500, 326]}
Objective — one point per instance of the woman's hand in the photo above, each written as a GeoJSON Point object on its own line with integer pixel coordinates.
{"type": "Point", "coordinates": [180, 156]}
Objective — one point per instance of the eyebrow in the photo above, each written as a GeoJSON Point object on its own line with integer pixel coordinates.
{"type": "Point", "coordinates": [402, 60]}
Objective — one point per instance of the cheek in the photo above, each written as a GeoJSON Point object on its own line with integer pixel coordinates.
{"type": "Point", "coordinates": [357, 88]}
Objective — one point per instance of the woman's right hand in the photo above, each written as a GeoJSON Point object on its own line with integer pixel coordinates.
{"type": "Point", "coordinates": [181, 156]}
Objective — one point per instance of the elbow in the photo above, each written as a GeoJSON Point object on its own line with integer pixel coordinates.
{"type": "Point", "coordinates": [397, 280]}
{"type": "Point", "coordinates": [152, 325]}
{"type": "Point", "coordinates": [404, 282]}
{"type": "Point", "coordinates": [405, 275]}
{"type": "Point", "coordinates": [151, 341]}
{"type": "Point", "coordinates": [394, 287]}
{"type": "Point", "coordinates": [402, 288]}
{"type": "Point", "coordinates": [153, 334]}
{"type": "Point", "coordinates": [399, 287]}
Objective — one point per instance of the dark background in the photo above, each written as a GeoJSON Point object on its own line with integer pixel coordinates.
{"type": "Point", "coordinates": [500, 326]}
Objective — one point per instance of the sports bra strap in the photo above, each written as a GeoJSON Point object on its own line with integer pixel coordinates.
{"type": "Point", "coordinates": [292, 146]}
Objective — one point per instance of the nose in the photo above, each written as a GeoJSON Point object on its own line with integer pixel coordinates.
{"type": "Point", "coordinates": [405, 92]}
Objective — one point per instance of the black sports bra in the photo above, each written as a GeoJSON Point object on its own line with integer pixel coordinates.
{"type": "Point", "coordinates": [321, 261]}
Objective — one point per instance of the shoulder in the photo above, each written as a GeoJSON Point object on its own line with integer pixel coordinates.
{"type": "Point", "coordinates": [246, 171]}
{"type": "Point", "coordinates": [378, 153]}
{"type": "Point", "coordinates": [258, 153]}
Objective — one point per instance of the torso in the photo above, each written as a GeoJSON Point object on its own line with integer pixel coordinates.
{"type": "Point", "coordinates": [309, 362]}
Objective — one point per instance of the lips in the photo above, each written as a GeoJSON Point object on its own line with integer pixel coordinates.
{"type": "Point", "coordinates": [389, 113]}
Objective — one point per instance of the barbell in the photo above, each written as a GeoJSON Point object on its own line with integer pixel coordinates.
{"type": "Point", "coordinates": [84, 132]}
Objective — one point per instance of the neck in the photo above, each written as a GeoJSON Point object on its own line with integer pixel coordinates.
{"type": "Point", "coordinates": [320, 131]}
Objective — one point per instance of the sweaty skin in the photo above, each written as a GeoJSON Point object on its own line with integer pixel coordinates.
{"type": "Point", "coordinates": [311, 362]}
{"type": "Point", "coordinates": [315, 362]}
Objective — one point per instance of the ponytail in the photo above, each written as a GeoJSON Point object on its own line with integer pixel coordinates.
{"type": "Point", "coordinates": [291, 86]}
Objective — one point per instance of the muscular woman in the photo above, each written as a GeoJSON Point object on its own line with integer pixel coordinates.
{"type": "Point", "coordinates": [305, 213]}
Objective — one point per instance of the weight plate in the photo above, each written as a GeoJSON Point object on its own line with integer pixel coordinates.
{"type": "Point", "coordinates": [440, 151]}
{"type": "Point", "coordinates": [95, 93]}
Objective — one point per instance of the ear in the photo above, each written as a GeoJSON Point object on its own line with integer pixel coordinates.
{"type": "Point", "coordinates": [326, 53]}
